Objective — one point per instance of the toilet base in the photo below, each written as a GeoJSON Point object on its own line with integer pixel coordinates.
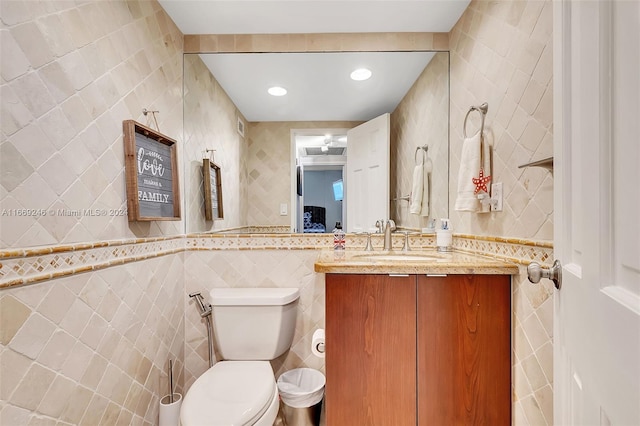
{"type": "Point", "coordinates": [269, 416]}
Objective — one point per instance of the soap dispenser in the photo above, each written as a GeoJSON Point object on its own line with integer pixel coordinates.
{"type": "Point", "coordinates": [444, 236]}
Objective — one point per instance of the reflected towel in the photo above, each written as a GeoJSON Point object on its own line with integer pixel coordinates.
{"type": "Point", "coordinates": [467, 200]}
{"type": "Point", "coordinates": [417, 189]}
{"type": "Point", "coordinates": [420, 189]}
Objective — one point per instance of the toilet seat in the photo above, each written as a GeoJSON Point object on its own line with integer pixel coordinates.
{"type": "Point", "coordinates": [230, 393]}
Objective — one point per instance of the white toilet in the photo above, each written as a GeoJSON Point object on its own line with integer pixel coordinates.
{"type": "Point", "coordinates": [251, 327]}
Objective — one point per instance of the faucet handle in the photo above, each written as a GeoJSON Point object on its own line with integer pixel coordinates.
{"type": "Point", "coordinates": [368, 247]}
{"type": "Point", "coordinates": [406, 242]}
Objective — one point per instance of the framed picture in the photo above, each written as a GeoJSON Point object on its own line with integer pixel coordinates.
{"type": "Point", "coordinates": [212, 190]}
{"type": "Point", "coordinates": [151, 170]}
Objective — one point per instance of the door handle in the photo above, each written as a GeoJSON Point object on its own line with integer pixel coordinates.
{"type": "Point", "coordinates": [535, 272]}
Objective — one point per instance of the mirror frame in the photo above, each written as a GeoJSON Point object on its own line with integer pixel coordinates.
{"type": "Point", "coordinates": [314, 43]}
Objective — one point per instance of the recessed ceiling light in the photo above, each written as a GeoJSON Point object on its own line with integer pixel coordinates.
{"type": "Point", "coordinates": [277, 91]}
{"type": "Point", "coordinates": [360, 74]}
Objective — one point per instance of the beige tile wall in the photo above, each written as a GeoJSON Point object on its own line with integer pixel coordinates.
{"type": "Point", "coordinates": [269, 167]}
{"type": "Point", "coordinates": [501, 54]}
{"type": "Point", "coordinates": [210, 123]}
{"type": "Point", "coordinates": [90, 348]}
{"type": "Point", "coordinates": [71, 73]}
{"type": "Point", "coordinates": [422, 118]}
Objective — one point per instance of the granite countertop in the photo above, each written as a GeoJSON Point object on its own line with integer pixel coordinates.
{"type": "Point", "coordinates": [412, 262]}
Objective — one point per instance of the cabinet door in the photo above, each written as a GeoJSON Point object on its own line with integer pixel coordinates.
{"type": "Point", "coordinates": [370, 350]}
{"type": "Point", "coordinates": [464, 350]}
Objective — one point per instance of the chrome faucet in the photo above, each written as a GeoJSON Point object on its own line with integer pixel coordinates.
{"type": "Point", "coordinates": [389, 227]}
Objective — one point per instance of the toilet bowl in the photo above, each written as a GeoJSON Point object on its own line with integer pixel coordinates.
{"type": "Point", "coordinates": [232, 393]}
{"type": "Point", "coordinates": [251, 327]}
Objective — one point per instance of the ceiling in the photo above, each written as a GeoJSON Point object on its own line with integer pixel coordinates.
{"type": "Point", "coordinates": [313, 16]}
{"type": "Point", "coordinates": [318, 84]}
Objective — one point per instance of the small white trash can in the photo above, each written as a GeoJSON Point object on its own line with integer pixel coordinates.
{"type": "Point", "coordinates": [301, 391]}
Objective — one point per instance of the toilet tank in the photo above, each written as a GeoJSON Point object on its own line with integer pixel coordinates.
{"type": "Point", "coordinates": [253, 323]}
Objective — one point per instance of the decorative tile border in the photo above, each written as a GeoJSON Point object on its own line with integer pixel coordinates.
{"type": "Point", "coordinates": [275, 241]}
{"type": "Point", "coordinates": [509, 249]}
{"type": "Point", "coordinates": [277, 229]}
{"type": "Point", "coordinates": [20, 267]}
{"type": "Point", "coordinates": [28, 266]}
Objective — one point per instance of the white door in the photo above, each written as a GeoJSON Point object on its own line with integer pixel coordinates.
{"type": "Point", "coordinates": [367, 179]}
{"type": "Point", "coordinates": [597, 211]}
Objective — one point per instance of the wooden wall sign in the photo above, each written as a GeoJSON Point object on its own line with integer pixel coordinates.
{"type": "Point", "coordinates": [151, 168]}
{"type": "Point", "coordinates": [212, 190]}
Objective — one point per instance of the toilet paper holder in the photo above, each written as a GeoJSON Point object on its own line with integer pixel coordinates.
{"type": "Point", "coordinates": [317, 343]}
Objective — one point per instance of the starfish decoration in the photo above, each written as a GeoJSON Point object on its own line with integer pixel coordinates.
{"type": "Point", "coordinates": [481, 182]}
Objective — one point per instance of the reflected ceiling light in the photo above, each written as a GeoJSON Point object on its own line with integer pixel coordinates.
{"type": "Point", "coordinates": [361, 74]}
{"type": "Point", "coordinates": [277, 91]}
{"type": "Point", "coordinates": [324, 148]}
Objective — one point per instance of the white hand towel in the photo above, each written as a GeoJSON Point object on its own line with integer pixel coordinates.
{"type": "Point", "coordinates": [417, 189]}
{"type": "Point", "coordinates": [467, 200]}
{"type": "Point", "coordinates": [420, 189]}
{"type": "Point", "coordinates": [428, 168]}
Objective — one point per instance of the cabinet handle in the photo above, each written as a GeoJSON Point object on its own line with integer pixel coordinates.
{"type": "Point", "coordinates": [398, 275]}
{"type": "Point", "coordinates": [436, 275]}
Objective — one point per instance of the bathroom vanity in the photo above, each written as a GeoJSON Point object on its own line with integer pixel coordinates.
{"type": "Point", "coordinates": [417, 339]}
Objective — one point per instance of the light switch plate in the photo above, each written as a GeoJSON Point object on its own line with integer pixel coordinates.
{"type": "Point", "coordinates": [496, 195]}
{"type": "Point", "coordinates": [283, 209]}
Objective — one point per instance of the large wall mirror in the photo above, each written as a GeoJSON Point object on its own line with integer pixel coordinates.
{"type": "Point", "coordinates": [280, 157]}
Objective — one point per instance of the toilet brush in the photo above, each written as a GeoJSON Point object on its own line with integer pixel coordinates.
{"type": "Point", "coordinates": [170, 405]}
{"type": "Point", "coordinates": [170, 382]}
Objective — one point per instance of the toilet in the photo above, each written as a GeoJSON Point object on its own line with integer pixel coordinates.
{"type": "Point", "coordinates": [251, 326]}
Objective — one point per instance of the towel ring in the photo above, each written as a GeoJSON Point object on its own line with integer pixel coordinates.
{"type": "Point", "coordinates": [424, 148]}
{"type": "Point", "coordinates": [482, 109]}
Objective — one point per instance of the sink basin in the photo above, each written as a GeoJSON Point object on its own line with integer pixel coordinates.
{"type": "Point", "coordinates": [411, 257]}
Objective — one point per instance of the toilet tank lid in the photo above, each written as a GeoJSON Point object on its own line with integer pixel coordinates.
{"type": "Point", "coordinates": [253, 296]}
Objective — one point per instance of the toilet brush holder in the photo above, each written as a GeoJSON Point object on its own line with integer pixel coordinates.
{"type": "Point", "coordinates": [170, 404]}
{"type": "Point", "coordinates": [170, 410]}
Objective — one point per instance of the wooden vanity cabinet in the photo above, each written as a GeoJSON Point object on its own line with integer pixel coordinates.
{"type": "Point", "coordinates": [371, 367]}
{"type": "Point", "coordinates": [418, 350]}
{"type": "Point", "coordinates": [464, 350]}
